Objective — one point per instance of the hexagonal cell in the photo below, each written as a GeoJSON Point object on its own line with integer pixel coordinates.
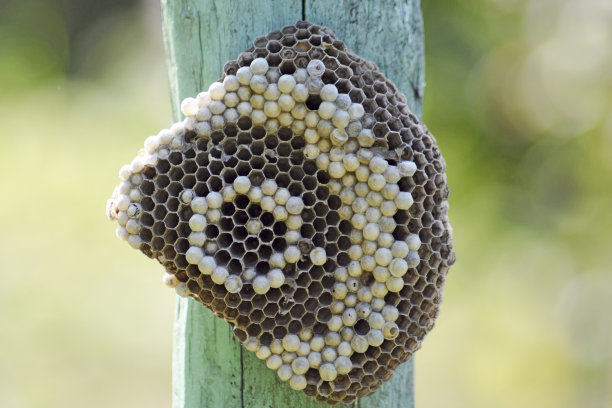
{"type": "Point", "coordinates": [250, 233]}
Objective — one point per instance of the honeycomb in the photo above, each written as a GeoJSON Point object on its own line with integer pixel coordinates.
{"type": "Point", "coordinates": [301, 201]}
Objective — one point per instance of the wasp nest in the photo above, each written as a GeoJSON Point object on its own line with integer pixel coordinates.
{"type": "Point", "coordinates": [301, 201]}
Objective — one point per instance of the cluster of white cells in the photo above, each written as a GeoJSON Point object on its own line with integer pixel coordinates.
{"type": "Point", "coordinates": [276, 205]}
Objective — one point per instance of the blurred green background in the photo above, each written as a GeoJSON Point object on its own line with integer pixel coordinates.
{"type": "Point", "coordinates": [519, 96]}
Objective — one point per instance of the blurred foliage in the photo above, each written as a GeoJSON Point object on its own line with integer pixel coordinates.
{"type": "Point", "coordinates": [519, 96]}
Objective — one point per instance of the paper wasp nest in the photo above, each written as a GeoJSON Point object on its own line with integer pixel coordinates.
{"type": "Point", "coordinates": [301, 201]}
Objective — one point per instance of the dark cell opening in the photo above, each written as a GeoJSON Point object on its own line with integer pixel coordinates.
{"type": "Point", "coordinates": [237, 250]}
{"type": "Point", "coordinates": [285, 134]}
{"type": "Point", "coordinates": [227, 209]}
{"type": "Point", "coordinates": [250, 258]}
{"type": "Point", "coordinates": [222, 257]}
{"type": "Point", "coordinates": [229, 175]}
{"type": "Point", "coordinates": [262, 268]}
{"type": "Point", "coordinates": [265, 251]}
{"type": "Point", "coordinates": [313, 102]}
{"type": "Point", "coordinates": [251, 243]}
{"type": "Point", "coordinates": [310, 183]}
{"type": "Point", "coordinates": [266, 219]}
{"type": "Point", "coordinates": [334, 202]}
{"type": "Point", "coordinates": [323, 177]}
{"type": "Point", "coordinates": [245, 123]}
{"type": "Point", "coordinates": [310, 168]}
{"type": "Point", "coordinates": [266, 235]}
{"type": "Point", "coordinates": [280, 228]}
{"type": "Point", "coordinates": [257, 163]}
{"type": "Point", "coordinates": [240, 233]}
{"type": "Point", "coordinates": [225, 240]}
{"type": "Point", "coordinates": [243, 137]}
{"type": "Point", "coordinates": [242, 201]}
{"type": "Point", "coordinates": [324, 314]}
{"type": "Point", "coordinates": [279, 244]}
{"type": "Point", "coordinates": [258, 132]}
{"type": "Point", "coordinates": [241, 217]}
{"type": "Point", "coordinates": [172, 204]}
{"type": "Point", "coordinates": [254, 210]}
{"type": "Point", "coordinates": [212, 231]}
{"type": "Point", "coordinates": [234, 267]}
{"type": "Point", "coordinates": [309, 198]}
{"type": "Point", "coordinates": [307, 231]}
{"type": "Point", "coordinates": [215, 183]}
{"type": "Point", "coordinates": [362, 327]}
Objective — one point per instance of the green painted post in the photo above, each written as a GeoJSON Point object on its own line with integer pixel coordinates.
{"type": "Point", "coordinates": [211, 369]}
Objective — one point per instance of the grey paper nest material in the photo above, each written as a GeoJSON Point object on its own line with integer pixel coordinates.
{"type": "Point", "coordinates": [301, 201]}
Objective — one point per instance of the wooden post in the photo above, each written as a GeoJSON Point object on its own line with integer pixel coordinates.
{"type": "Point", "coordinates": [211, 369]}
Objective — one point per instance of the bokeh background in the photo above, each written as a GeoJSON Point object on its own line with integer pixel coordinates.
{"type": "Point", "coordinates": [519, 96]}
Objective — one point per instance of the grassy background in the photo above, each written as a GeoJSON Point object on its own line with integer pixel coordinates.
{"type": "Point", "coordinates": [519, 96]}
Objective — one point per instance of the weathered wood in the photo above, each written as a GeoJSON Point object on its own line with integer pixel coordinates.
{"type": "Point", "coordinates": [388, 32]}
{"type": "Point", "coordinates": [211, 370]}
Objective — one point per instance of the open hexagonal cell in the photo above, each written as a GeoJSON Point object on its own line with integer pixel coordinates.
{"type": "Point", "coordinates": [265, 205]}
